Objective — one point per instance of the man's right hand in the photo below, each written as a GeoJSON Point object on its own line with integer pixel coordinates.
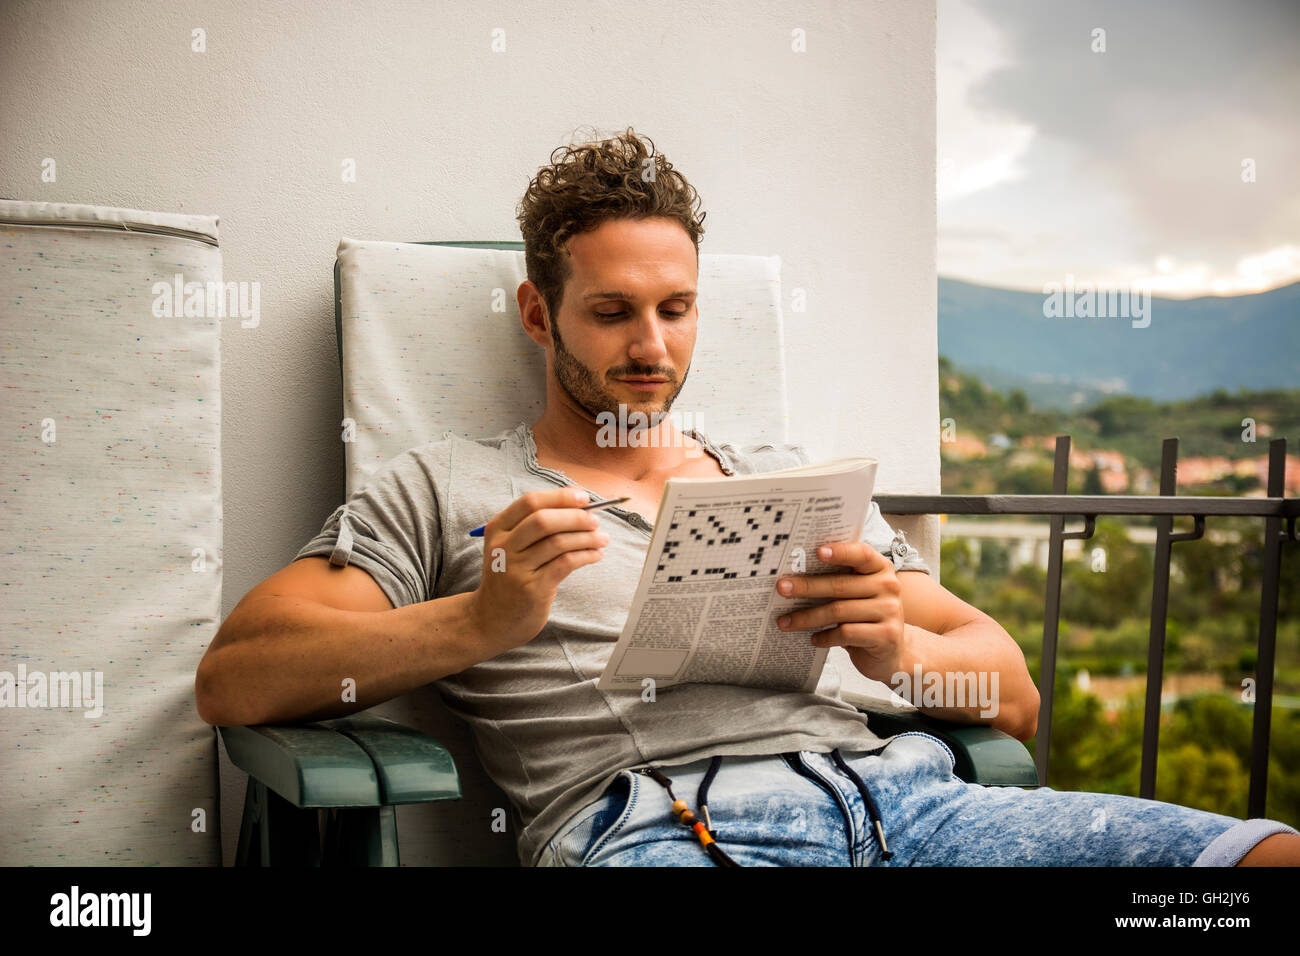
{"type": "Point", "coordinates": [532, 545]}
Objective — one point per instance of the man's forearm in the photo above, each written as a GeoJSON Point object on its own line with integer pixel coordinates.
{"type": "Point", "coordinates": [974, 673]}
{"type": "Point", "coordinates": [283, 659]}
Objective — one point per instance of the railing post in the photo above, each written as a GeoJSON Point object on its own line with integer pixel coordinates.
{"type": "Point", "coordinates": [1159, 613]}
{"type": "Point", "coordinates": [1165, 539]}
{"type": "Point", "coordinates": [1051, 612]}
{"type": "Point", "coordinates": [1266, 650]}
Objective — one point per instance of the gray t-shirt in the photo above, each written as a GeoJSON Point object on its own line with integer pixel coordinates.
{"type": "Point", "coordinates": [546, 735]}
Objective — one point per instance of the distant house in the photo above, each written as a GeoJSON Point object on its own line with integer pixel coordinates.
{"type": "Point", "coordinates": [1109, 465]}
{"type": "Point", "coordinates": [1203, 470]}
{"type": "Point", "coordinates": [1258, 468]}
{"type": "Point", "coordinates": [962, 447]}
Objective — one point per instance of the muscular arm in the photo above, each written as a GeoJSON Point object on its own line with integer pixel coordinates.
{"type": "Point", "coordinates": [943, 634]}
{"type": "Point", "coordinates": [284, 652]}
{"type": "Point", "coordinates": [891, 623]}
{"type": "Point", "coordinates": [286, 649]}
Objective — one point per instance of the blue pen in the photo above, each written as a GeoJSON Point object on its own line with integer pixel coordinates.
{"type": "Point", "coordinates": [594, 506]}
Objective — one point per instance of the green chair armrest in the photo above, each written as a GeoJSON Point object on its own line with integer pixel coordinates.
{"type": "Point", "coordinates": [309, 766]}
{"type": "Point", "coordinates": [354, 770]}
{"type": "Point", "coordinates": [362, 761]}
{"type": "Point", "coordinates": [984, 755]}
{"type": "Point", "coordinates": [412, 766]}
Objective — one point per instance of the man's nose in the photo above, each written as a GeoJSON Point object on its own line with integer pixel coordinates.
{"type": "Point", "coordinates": [648, 345]}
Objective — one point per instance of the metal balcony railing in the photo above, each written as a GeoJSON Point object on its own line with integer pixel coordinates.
{"type": "Point", "coordinates": [1278, 514]}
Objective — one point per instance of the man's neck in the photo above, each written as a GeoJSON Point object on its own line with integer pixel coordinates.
{"type": "Point", "coordinates": [614, 445]}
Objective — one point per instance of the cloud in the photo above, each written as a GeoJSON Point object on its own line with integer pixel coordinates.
{"type": "Point", "coordinates": [1138, 149]}
{"type": "Point", "coordinates": [969, 50]}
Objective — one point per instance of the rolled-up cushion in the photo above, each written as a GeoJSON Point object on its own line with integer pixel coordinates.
{"type": "Point", "coordinates": [110, 512]}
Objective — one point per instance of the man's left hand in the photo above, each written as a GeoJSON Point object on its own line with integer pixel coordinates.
{"type": "Point", "coordinates": [863, 612]}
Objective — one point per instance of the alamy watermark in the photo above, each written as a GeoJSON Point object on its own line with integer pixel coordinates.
{"type": "Point", "coordinates": [950, 689]}
{"type": "Point", "coordinates": [75, 908]}
{"type": "Point", "coordinates": [1097, 301]}
{"type": "Point", "coordinates": [641, 430]}
{"type": "Point", "coordinates": [69, 689]}
{"type": "Point", "coordinates": [216, 300]}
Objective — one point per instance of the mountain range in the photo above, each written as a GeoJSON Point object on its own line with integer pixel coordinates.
{"type": "Point", "coordinates": [1163, 349]}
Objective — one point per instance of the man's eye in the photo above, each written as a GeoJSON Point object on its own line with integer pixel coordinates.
{"type": "Point", "coordinates": [611, 315]}
{"type": "Point", "coordinates": [675, 315]}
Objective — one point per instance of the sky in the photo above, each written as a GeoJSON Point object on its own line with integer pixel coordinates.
{"type": "Point", "coordinates": [1151, 144]}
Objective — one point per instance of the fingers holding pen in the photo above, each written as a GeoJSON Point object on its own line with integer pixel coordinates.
{"type": "Point", "coordinates": [529, 548]}
{"type": "Point", "coordinates": [541, 526]}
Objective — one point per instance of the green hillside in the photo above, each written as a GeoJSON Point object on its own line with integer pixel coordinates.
{"type": "Point", "coordinates": [1217, 424]}
{"type": "Point", "coordinates": [1213, 618]}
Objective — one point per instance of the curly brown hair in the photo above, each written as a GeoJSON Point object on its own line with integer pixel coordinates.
{"type": "Point", "coordinates": [587, 184]}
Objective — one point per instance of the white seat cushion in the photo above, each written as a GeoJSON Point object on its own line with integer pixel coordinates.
{"type": "Point", "coordinates": [432, 343]}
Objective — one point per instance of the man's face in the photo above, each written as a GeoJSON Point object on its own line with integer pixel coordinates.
{"type": "Point", "coordinates": [629, 317]}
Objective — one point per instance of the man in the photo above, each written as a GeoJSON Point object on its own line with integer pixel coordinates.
{"type": "Point", "coordinates": [517, 626]}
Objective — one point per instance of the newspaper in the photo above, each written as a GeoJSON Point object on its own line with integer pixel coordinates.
{"type": "Point", "coordinates": [706, 607]}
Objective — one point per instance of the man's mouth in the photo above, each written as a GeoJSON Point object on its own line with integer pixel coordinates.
{"type": "Point", "coordinates": [647, 384]}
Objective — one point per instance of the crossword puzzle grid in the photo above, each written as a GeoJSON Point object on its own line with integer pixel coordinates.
{"type": "Point", "coordinates": [716, 544]}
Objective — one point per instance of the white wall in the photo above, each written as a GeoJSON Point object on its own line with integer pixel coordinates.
{"type": "Point", "coordinates": [824, 157]}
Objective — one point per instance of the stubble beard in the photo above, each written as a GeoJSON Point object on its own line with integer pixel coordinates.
{"type": "Point", "coordinates": [588, 391]}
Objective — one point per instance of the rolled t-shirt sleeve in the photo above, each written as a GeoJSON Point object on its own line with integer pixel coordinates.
{"type": "Point", "coordinates": [389, 529]}
{"type": "Point", "coordinates": [891, 543]}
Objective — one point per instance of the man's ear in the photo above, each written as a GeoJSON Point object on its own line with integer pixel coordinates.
{"type": "Point", "coordinates": [533, 314]}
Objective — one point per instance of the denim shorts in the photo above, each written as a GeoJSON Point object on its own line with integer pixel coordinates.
{"type": "Point", "coordinates": [804, 810]}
